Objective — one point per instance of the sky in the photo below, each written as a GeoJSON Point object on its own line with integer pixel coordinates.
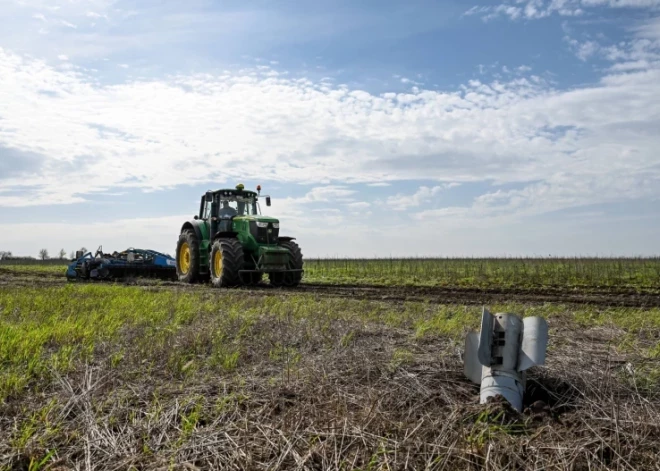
{"type": "Point", "coordinates": [380, 128]}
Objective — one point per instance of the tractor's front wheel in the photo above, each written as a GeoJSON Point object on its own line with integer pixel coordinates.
{"type": "Point", "coordinates": [290, 279]}
{"type": "Point", "coordinates": [226, 261]}
{"type": "Point", "coordinates": [187, 257]}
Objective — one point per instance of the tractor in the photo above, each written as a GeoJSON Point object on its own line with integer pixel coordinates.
{"type": "Point", "coordinates": [231, 243]}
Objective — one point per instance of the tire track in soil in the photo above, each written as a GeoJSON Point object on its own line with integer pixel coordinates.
{"type": "Point", "coordinates": [471, 296]}
{"type": "Point", "coordinates": [618, 297]}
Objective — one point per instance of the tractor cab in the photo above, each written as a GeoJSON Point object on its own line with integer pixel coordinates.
{"type": "Point", "coordinates": [219, 208]}
{"type": "Point", "coordinates": [229, 203]}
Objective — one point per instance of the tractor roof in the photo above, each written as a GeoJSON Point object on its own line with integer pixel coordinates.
{"type": "Point", "coordinates": [234, 192]}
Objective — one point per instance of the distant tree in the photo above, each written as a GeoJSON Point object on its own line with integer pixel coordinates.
{"type": "Point", "coordinates": [62, 254]}
{"type": "Point", "coordinates": [83, 249]}
{"type": "Point", "coordinates": [72, 255]}
{"type": "Point", "coordinates": [5, 255]}
{"type": "Point", "coordinates": [43, 254]}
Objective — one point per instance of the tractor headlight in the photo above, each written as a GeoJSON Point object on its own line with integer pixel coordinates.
{"type": "Point", "coordinates": [276, 225]}
{"type": "Point", "coordinates": [262, 224]}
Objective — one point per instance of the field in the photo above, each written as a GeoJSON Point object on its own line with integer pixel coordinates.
{"type": "Point", "coordinates": [359, 368]}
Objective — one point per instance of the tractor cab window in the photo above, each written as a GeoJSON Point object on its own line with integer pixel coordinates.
{"type": "Point", "coordinates": [207, 210]}
{"type": "Point", "coordinates": [237, 206]}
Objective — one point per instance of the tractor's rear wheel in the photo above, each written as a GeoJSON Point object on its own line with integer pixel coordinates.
{"type": "Point", "coordinates": [290, 279]}
{"type": "Point", "coordinates": [226, 261]}
{"type": "Point", "coordinates": [187, 257]}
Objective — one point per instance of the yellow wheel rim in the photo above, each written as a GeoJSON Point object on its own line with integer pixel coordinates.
{"type": "Point", "coordinates": [217, 263]}
{"type": "Point", "coordinates": [184, 258]}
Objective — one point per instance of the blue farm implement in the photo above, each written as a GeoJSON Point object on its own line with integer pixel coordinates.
{"type": "Point", "coordinates": [118, 265]}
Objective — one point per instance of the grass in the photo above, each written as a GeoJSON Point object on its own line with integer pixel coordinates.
{"type": "Point", "coordinates": [34, 268]}
{"type": "Point", "coordinates": [163, 376]}
{"type": "Point", "coordinates": [56, 329]}
{"type": "Point", "coordinates": [639, 273]}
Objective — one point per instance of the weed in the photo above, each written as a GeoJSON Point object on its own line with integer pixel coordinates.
{"type": "Point", "coordinates": [400, 357]}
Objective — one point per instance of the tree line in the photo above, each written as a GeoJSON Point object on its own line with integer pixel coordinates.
{"type": "Point", "coordinates": [42, 255]}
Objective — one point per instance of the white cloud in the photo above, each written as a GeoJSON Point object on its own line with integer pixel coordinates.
{"type": "Point", "coordinates": [630, 66]}
{"type": "Point", "coordinates": [331, 193]}
{"type": "Point", "coordinates": [623, 3]}
{"type": "Point", "coordinates": [537, 9]}
{"type": "Point", "coordinates": [68, 25]}
{"type": "Point", "coordinates": [640, 52]}
{"type": "Point", "coordinates": [583, 50]}
{"type": "Point", "coordinates": [257, 123]}
{"type": "Point", "coordinates": [358, 205]}
{"type": "Point", "coordinates": [649, 29]}
{"type": "Point", "coordinates": [95, 15]}
{"type": "Point", "coordinates": [406, 80]}
{"type": "Point", "coordinates": [513, 206]}
{"type": "Point", "coordinates": [423, 195]}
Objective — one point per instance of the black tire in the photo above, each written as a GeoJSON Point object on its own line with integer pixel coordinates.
{"type": "Point", "coordinates": [231, 253]}
{"type": "Point", "coordinates": [192, 274]}
{"type": "Point", "coordinates": [295, 263]}
{"type": "Point", "coordinates": [252, 279]}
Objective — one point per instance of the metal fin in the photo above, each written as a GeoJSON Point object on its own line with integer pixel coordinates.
{"type": "Point", "coordinates": [534, 343]}
{"type": "Point", "coordinates": [486, 338]}
{"type": "Point", "coordinates": [471, 366]}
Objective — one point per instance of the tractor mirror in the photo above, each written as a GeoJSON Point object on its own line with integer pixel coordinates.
{"type": "Point", "coordinates": [195, 217]}
{"type": "Point", "coordinates": [209, 197]}
{"type": "Point", "coordinates": [267, 200]}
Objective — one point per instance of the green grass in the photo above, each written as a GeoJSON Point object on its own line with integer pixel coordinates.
{"type": "Point", "coordinates": [34, 269]}
{"type": "Point", "coordinates": [56, 329]}
{"type": "Point", "coordinates": [640, 273]}
{"type": "Point", "coordinates": [52, 262]}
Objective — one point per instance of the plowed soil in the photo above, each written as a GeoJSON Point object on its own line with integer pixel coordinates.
{"type": "Point", "coordinates": [459, 295]}
{"type": "Point", "coordinates": [599, 296]}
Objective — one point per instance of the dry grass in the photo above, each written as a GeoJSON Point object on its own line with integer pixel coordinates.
{"type": "Point", "coordinates": [310, 384]}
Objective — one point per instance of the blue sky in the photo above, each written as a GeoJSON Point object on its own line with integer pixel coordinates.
{"type": "Point", "coordinates": [381, 128]}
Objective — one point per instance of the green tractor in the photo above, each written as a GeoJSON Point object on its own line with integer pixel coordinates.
{"type": "Point", "coordinates": [231, 243]}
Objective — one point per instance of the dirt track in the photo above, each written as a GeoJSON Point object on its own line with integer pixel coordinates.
{"type": "Point", "coordinates": [458, 295]}
{"type": "Point", "coordinates": [622, 297]}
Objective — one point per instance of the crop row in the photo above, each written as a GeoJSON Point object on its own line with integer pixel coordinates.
{"type": "Point", "coordinates": [506, 272]}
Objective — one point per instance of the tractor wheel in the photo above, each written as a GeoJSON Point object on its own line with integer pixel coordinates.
{"type": "Point", "coordinates": [226, 261]}
{"type": "Point", "coordinates": [187, 257]}
{"type": "Point", "coordinates": [295, 262]}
